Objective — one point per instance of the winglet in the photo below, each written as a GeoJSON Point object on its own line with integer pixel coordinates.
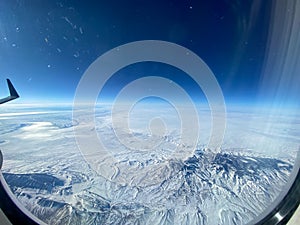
{"type": "Point", "coordinates": [12, 90]}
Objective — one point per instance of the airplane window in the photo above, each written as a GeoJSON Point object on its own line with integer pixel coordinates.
{"type": "Point", "coordinates": [159, 112]}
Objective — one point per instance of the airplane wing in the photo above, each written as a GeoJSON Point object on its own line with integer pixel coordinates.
{"type": "Point", "coordinates": [12, 91]}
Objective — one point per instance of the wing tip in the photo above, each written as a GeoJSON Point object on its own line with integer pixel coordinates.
{"type": "Point", "coordinates": [12, 90]}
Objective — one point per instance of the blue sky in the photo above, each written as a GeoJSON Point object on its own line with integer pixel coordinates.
{"type": "Point", "coordinates": [45, 46]}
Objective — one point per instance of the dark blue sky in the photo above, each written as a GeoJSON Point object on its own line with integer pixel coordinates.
{"type": "Point", "coordinates": [45, 46]}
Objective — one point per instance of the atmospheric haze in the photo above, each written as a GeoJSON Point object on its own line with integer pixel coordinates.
{"type": "Point", "coordinates": [160, 180]}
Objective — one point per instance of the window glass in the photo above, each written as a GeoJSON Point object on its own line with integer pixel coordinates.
{"type": "Point", "coordinates": [137, 112]}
